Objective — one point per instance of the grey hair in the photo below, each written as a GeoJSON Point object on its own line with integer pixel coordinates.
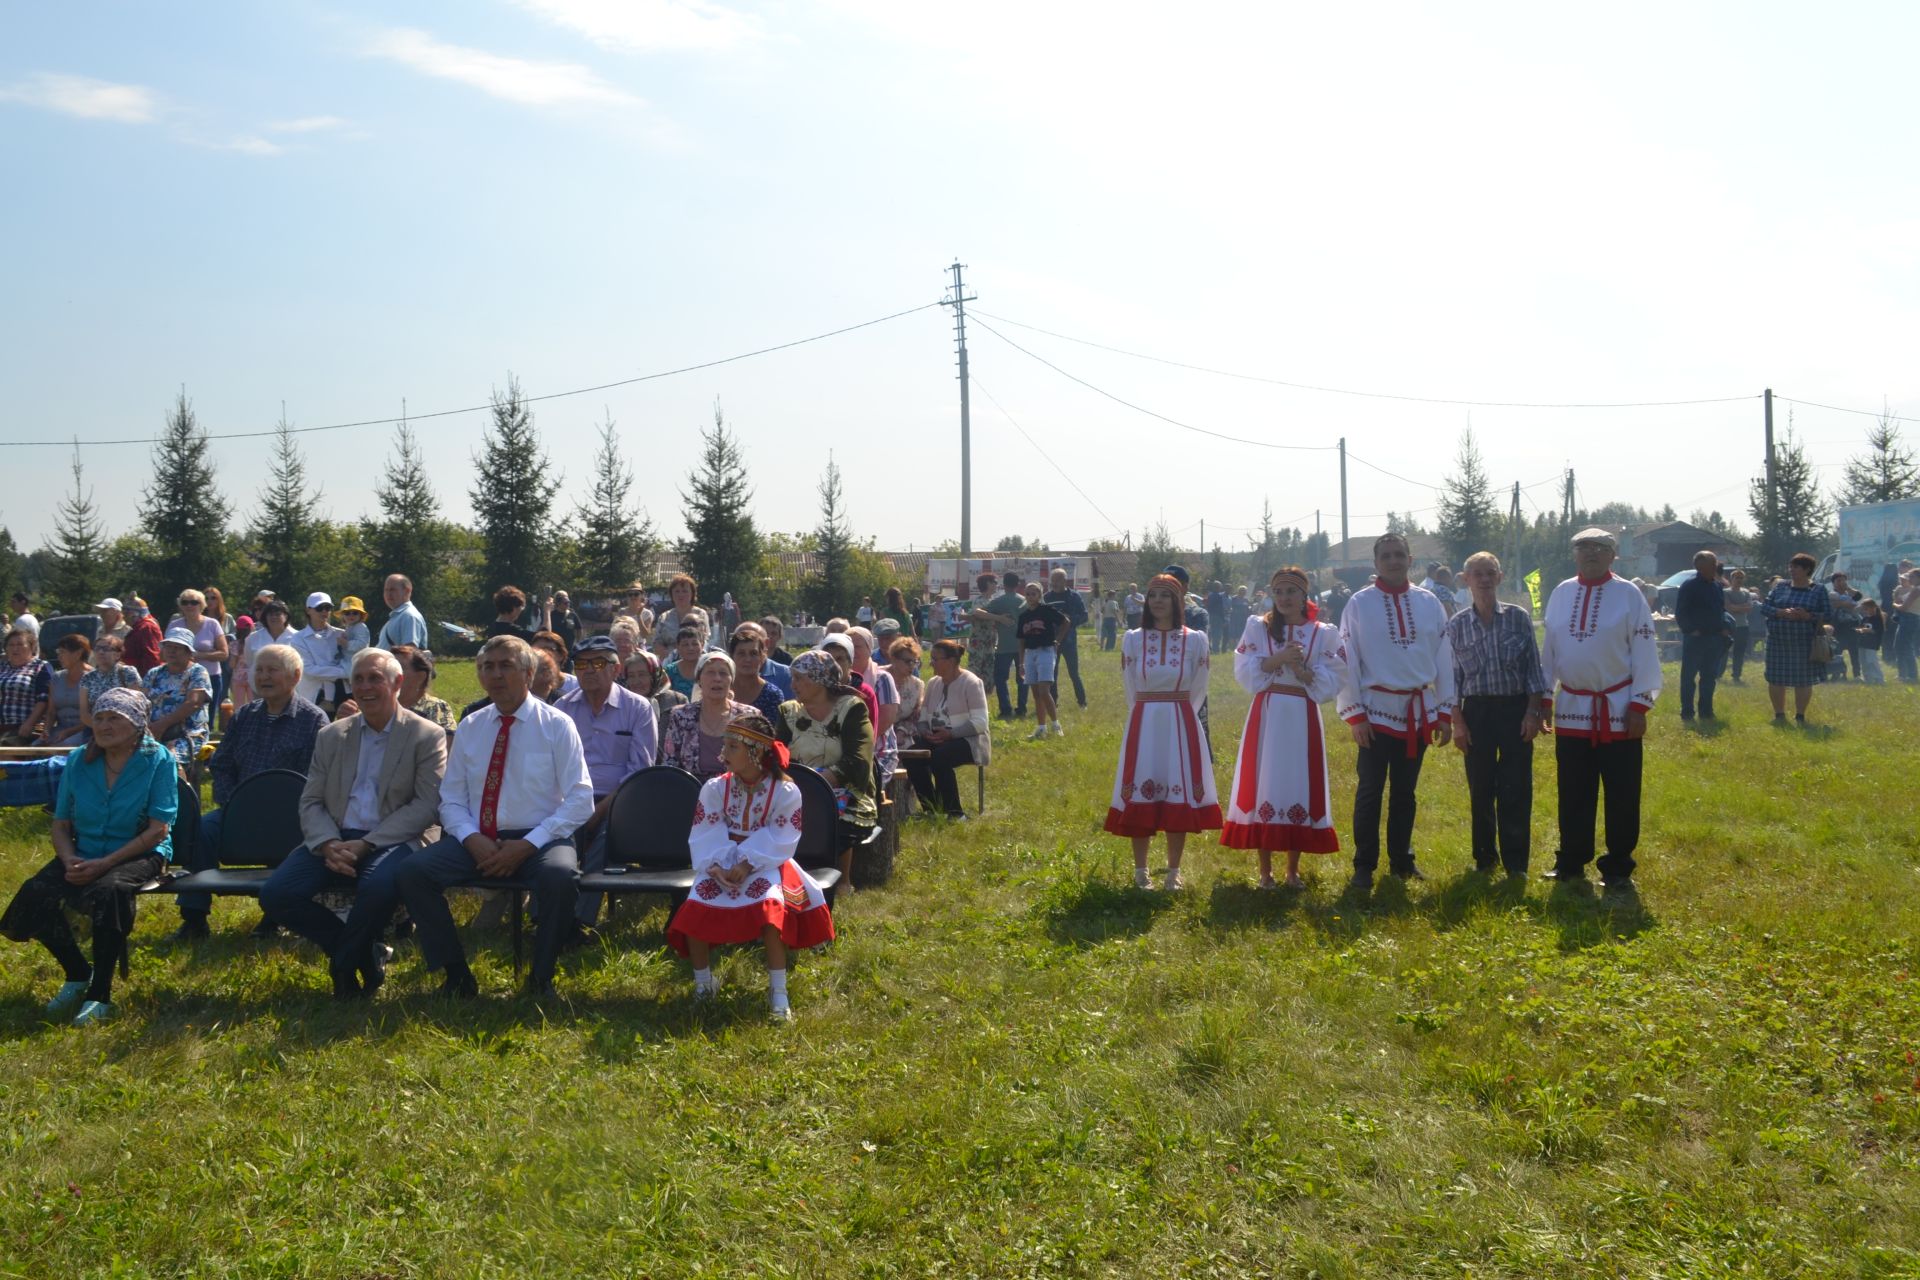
{"type": "Point", "coordinates": [520, 650]}
{"type": "Point", "coordinates": [286, 655]}
{"type": "Point", "coordinates": [388, 664]}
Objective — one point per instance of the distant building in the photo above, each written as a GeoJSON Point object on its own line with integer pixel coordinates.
{"type": "Point", "coordinates": [1655, 552]}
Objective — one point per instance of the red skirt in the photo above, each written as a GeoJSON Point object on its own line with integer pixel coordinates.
{"type": "Point", "coordinates": [720, 916]}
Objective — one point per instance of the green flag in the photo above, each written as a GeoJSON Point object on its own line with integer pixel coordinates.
{"type": "Point", "coordinates": [1533, 591]}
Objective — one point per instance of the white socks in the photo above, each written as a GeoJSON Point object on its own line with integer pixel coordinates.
{"type": "Point", "coordinates": [777, 988]}
{"type": "Point", "coordinates": [703, 984]}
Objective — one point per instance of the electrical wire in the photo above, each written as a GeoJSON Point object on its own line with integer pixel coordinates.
{"type": "Point", "coordinates": [1372, 395]}
{"type": "Point", "coordinates": [1174, 422]}
{"type": "Point", "coordinates": [1815, 404]}
{"type": "Point", "coordinates": [482, 408]}
{"type": "Point", "coordinates": [994, 401]}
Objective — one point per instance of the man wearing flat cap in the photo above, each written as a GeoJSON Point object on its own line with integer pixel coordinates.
{"type": "Point", "coordinates": [1598, 646]}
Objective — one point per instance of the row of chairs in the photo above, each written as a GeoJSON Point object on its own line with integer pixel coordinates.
{"type": "Point", "coordinates": [647, 828]}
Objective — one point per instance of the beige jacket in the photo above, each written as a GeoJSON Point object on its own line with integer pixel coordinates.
{"type": "Point", "coordinates": [964, 709]}
{"type": "Point", "coordinates": [409, 780]}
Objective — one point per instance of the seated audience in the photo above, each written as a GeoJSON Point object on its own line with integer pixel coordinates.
{"type": "Point", "coordinates": [143, 637]}
{"type": "Point", "coordinates": [695, 731]}
{"type": "Point", "coordinates": [903, 662]}
{"type": "Point", "coordinates": [748, 649]}
{"type": "Point", "coordinates": [827, 728]}
{"type": "Point", "coordinates": [66, 693]}
{"type": "Point", "coordinates": [619, 737]}
{"type": "Point", "coordinates": [323, 655]}
{"type": "Point", "coordinates": [25, 686]}
{"type": "Point", "coordinates": [416, 685]}
{"type": "Point", "coordinates": [952, 727]}
{"type": "Point", "coordinates": [689, 644]}
{"type": "Point", "coordinates": [776, 631]}
{"type": "Point", "coordinates": [109, 672]}
{"type": "Point", "coordinates": [560, 650]}
{"type": "Point", "coordinates": [179, 692]}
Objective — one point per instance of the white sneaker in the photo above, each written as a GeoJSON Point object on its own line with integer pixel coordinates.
{"type": "Point", "coordinates": [1037, 734]}
{"type": "Point", "coordinates": [91, 1012]}
{"type": "Point", "coordinates": [67, 999]}
{"type": "Point", "coordinates": [780, 1013]}
{"type": "Point", "coordinates": [1058, 730]}
{"type": "Point", "coordinates": [1142, 878]}
{"type": "Point", "coordinates": [1174, 883]}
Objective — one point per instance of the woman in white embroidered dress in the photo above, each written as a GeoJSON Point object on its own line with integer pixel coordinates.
{"type": "Point", "coordinates": [1165, 778]}
{"type": "Point", "coordinates": [1291, 663]}
{"type": "Point", "coordinates": [745, 830]}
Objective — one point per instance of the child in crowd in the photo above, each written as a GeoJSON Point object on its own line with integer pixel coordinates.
{"type": "Point", "coordinates": [351, 616]}
{"type": "Point", "coordinates": [1039, 627]}
{"type": "Point", "coordinates": [1870, 637]}
{"type": "Point", "coordinates": [745, 830]}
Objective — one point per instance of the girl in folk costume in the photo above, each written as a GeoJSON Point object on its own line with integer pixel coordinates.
{"type": "Point", "coordinates": [745, 830]}
{"type": "Point", "coordinates": [1165, 778]}
{"type": "Point", "coordinates": [1290, 662]}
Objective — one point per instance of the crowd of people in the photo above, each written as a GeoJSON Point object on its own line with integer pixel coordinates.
{"type": "Point", "coordinates": [407, 797]}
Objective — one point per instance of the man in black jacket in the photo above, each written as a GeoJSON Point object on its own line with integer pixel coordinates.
{"type": "Point", "coordinates": [1063, 597]}
{"type": "Point", "coordinates": [1700, 613]}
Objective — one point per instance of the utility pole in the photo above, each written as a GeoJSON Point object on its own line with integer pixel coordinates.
{"type": "Point", "coordinates": [1513, 542]}
{"type": "Point", "coordinates": [1773, 513]}
{"type": "Point", "coordinates": [1344, 550]}
{"type": "Point", "coordinates": [958, 301]}
{"type": "Point", "coordinates": [1203, 537]}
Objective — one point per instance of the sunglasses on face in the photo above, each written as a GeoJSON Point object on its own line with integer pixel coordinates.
{"type": "Point", "coordinates": [592, 664]}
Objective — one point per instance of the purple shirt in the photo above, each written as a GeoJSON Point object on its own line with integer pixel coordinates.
{"type": "Point", "coordinates": [619, 741]}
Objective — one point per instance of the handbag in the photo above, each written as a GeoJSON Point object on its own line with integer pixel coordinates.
{"type": "Point", "coordinates": [1820, 652]}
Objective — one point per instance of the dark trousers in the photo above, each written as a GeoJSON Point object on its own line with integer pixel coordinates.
{"type": "Point", "coordinates": [38, 913]}
{"type": "Point", "coordinates": [939, 772]}
{"type": "Point", "coordinates": [422, 880]}
{"type": "Point", "coordinates": [1070, 659]}
{"type": "Point", "coordinates": [1499, 781]}
{"type": "Point", "coordinates": [1383, 762]}
{"type": "Point", "coordinates": [1006, 662]}
{"type": "Point", "coordinates": [1585, 767]}
{"type": "Point", "coordinates": [1906, 641]}
{"type": "Point", "coordinates": [288, 896]}
{"type": "Point", "coordinates": [1742, 646]}
{"type": "Point", "coordinates": [1700, 659]}
{"type": "Point", "coordinates": [1109, 632]}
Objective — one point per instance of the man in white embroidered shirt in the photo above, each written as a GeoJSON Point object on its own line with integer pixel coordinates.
{"type": "Point", "coordinates": [1598, 645]}
{"type": "Point", "coordinates": [515, 791]}
{"type": "Point", "coordinates": [1397, 697]}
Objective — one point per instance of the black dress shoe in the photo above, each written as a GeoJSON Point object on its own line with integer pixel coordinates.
{"type": "Point", "coordinates": [539, 989]}
{"type": "Point", "coordinates": [373, 971]}
{"type": "Point", "coordinates": [1362, 883]}
{"type": "Point", "coordinates": [346, 984]}
{"type": "Point", "coordinates": [192, 929]}
{"type": "Point", "coordinates": [1411, 873]}
{"type": "Point", "coordinates": [459, 986]}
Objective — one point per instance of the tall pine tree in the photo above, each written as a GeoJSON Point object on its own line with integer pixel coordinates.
{"type": "Point", "coordinates": [77, 571]}
{"type": "Point", "coordinates": [1469, 518]}
{"type": "Point", "coordinates": [512, 496]}
{"type": "Point", "coordinates": [722, 546]}
{"type": "Point", "coordinates": [616, 540]}
{"type": "Point", "coordinates": [409, 537]}
{"type": "Point", "coordinates": [1886, 472]}
{"type": "Point", "coordinates": [183, 513]}
{"type": "Point", "coordinates": [1802, 519]}
{"type": "Point", "coordinates": [288, 519]}
{"type": "Point", "coordinates": [826, 591]}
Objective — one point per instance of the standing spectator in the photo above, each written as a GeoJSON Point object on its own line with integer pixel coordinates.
{"type": "Point", "coordinates": [239, 665]}
{"type": "Point", "coordinates": [1739, 603]}
{"type": "Point", "coordinates": [510, 606]}
{"type": "Point", "coordinates": [637, 609]}
{"type": "Point", "coordinates": [179, 691]}
{"type": "Point", "coordinates": [25, 683]}
{"type": "Point", "coordinates": [1164, 779]}
{"type": "Point", "coordinates": [217, 610]}
{"type": "Point", "coordinates": [112, 621]}
{"type": "Point", "coordinates": [209, 639]}
{"type": "Point", "coordinates": [1397, 697]}
{"type": "Point", "coordinates": [143, 637]}
{"type": "Point", "coordinates": [323, 654]}
{"type": "Point", "coordinates": [274, 628]}
{"type": "Point", "coordinates": [896, 608]}
{"type": "Point", "coordinates": [404, 624]}
{"type": "Point", "coordinates": [684, 594]}
{"type": "Point", "coordinates": [729, 616]}
{"type": "Point", "coordinates": [564, 620]}
{"type": "Point", "coordinates": [1871, 635]}
{"type": "Point", "coordinates": [23, 616]}
{"type": "Point", "coordinates": [1216, 605]}
{"type": "Point", "coordinates": [953, 728]}
{"type": "Point", "coordinates": [1846, 620]}
{"type": "Point", "coordinates": [1503, 694]}
{"type": "Point", "coordinates": [1110, 613]}
{"type": "Point", "coordinates": [864, 614]}
{"type": "Point", "coordinates": [1002, 614]}
{"type": "Point", "coordinates": [1039, 627]}
{"type": "Point", "coordinates": [1906, 620]}
{"type": "Point", "coordinates": [1599, 646]}
{"type": "Point", "coordinates": [1700, 614]}
{"type": "Point", "coordinates": [983, 640]}
{"type": "Point", "coordinates": [516, 790]}
{"type": "Point", "coordinates": [1070, 603]}
{"type": "Point", "coordinates": [1337, 600]}
{"type": "Point", "coordinates": [1239, 609]}
{"type": "Point", "coordinates": [352, 617]}
{"type": "Point", "coordinates": [1135, 604]}
{"type": "Point", "coordinates": [776, 631]}
{"type": "Point", "coordinates": [1796, 611]}
{"type": "Point", "coordinates": [1891, 576]}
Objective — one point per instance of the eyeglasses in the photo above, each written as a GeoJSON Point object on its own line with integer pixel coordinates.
{"type": "Point", "coordinates": [592, 664]}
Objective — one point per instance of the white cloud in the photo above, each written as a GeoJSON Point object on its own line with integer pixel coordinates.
{"type": "Point", "coordinates": [539, 84]}
{"type": "Point", "coordinates": [249, 145]}
{"type": "Point", "coordinates": [638, 26]}
{"type": "Point", "coordinates": [305, 124]}
{"type": "Point", "coordinates": [87, 98]}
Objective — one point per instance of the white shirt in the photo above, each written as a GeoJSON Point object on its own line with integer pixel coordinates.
{"type": "Point", "coordinates": [546, 790]}
{"type": "Point", "coordinates": [1598, 637]}
{"type": "Point", "coordinates": [1396, 640]}
{"type": "Point", "coordinates": [321, 655]}
{"type": "Point", "coordinates": [363, 801]}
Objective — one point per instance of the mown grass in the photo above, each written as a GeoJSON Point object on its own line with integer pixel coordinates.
{"type": "Point", "coordinates": [1011, 1064]}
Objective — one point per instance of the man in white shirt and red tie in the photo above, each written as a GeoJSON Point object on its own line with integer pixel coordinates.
{"type": "Point", "coordinates": [515, 791]}
{"type": "Point", "coordinates": [1397, 697]}
{"type": "Point", "coordinates": [1598, 645]}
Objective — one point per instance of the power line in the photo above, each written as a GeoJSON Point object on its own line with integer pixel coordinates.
{"type": "Point", "coordinates": [1865, 413]}
{"type": "Point", "coordinates": [481, 408]}
{"type": "Point", "coordinates": [1175, 422]}
{"type": "Point", "coordinates": [991, 399]}
{"type": "Point", "coordinates": [1372, 395]}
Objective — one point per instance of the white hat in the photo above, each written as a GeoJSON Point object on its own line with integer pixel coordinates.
{"type": "Point", "coordinates": [1596, 534]}
{"type": "Point", "coordinates": [109, 603]}
{"type": "Point", "coordinates": [180, 636]}
{"type": "Point", "coordinates": [319, 598]}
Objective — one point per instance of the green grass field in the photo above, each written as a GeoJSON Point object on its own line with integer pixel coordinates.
{"type": "Point", "coordinates": [1013, 1064]}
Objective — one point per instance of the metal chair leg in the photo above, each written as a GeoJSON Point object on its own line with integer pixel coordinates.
{"type": "Point", "coordinates": [518, 907]}
{"type": "Point", "coordinates": [980, 772]}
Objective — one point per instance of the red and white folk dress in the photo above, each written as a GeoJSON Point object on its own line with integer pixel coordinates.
{"type": "Point", "coordinates": [1280, 800]}
{"type": "Point", "coordinates": [759, 827]}
{"type": "Point", "coordinates": [1165, 778]}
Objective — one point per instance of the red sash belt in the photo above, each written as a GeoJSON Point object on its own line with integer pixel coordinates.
{"type": "Point", "coordinates": [1249, 770]}
{"type": "Point", "coordinates": [1189, 725]}
{"type": "Point", "coordinates": [1416, 712]}
{"type": "Point", "coordinates": [1602, 710]}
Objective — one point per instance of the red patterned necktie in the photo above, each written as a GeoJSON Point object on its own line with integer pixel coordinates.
{"type": "Point", "coordinates": [496, 774]}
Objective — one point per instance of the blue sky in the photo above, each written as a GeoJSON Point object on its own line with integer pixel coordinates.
{"type": "Point", "coordinates": [338, 207]}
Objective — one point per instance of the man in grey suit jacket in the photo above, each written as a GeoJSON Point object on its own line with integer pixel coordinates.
{"type": "Point", "coordinates": [374, 786]}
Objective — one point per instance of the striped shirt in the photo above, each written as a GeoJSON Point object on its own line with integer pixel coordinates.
{"type": "Point", "coordinates": [1498, 661]}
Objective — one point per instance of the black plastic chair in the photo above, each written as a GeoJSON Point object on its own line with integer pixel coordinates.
{"type": "Point", "coordinates": [819, 851]}
{"type": "Point", "coordinates": [259, 827]}
{"type": "Point", "coordinates": [647, 828]}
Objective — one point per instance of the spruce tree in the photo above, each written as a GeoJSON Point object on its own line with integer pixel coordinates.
{"type": "Point", "coordinates": [77, 571]}
{"type": "Point", "coordinates": [1469, 518]}
{"type": "Point", "coordinates": [288, 518]}
{"type": "Point", "coordinates": [408, 537]}
{"type": "Point", "coordinates": [826, 591]}
{"type": "Point", "coordinates": [1886, 472]}
{"type": "Point", "coordinates": [722, 546]}
{"type": "Point", "coordinates": [512, 496]}
{"type": "Point", "coordinates": [183, 513]}
{"type": "Point", "coordinates": [615, 539]}
{"type": "Point", "coordinates": [1802, 520]}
